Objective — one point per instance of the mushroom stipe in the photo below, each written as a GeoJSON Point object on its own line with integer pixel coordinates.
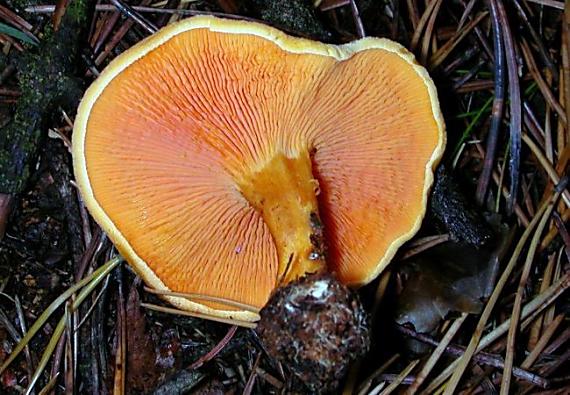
{"type": "Point", "coordinates": [227, 159]}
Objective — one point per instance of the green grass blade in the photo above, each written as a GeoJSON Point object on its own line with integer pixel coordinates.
{"type": "Point", "coordinates": [18, 34]}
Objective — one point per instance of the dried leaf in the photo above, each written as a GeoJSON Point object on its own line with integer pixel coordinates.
{"type": "Point", "coordinates": [452, 277]}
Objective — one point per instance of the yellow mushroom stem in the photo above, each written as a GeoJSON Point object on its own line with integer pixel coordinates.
{"type": "Point", "coordinates": [285, 192]}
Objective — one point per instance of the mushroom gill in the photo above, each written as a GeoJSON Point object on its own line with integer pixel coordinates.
{"type": "Point", "coordinates": [212, 151]}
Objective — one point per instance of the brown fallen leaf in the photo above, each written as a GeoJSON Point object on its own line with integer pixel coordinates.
{"type": "Point", "coordinates": [451, 277]}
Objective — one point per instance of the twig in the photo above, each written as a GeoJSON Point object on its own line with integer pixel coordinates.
{"type": "Point", "coordinates": [545, 338]}
{"type": "Point", "coordinates": [542, 85]}
{"type": "Point", "coordinates": [438, 57]}
{"type": "Point", "coordinates": [170, 310]}
{"type": "Point", "coordinates": [549, 3]}
{"type": "Point", "coordinates": [357, 20]}
{"type": "Point", "coordinates": [529, 313]}
{"type": "Point", "coordinates": [69, 366]}
{"type": "Point", "coordinates": [394, 384]}
{"type": "Point", "coordinates": [22, 321]}
{"type": "Point", "coordinates": [413, 11]}
{"type": "Point", "coordinates": [565, 55]}
{"type": "Point", "coordinates": [131, 13]}
{"type": "Point", "coordinates": [195, 296]}
{"type": "Point", "coordinates": [538, 324]}
{"type": "Point", "coordinates": [514, 107]}
{"type": "Point", "coordinates": [422, 22]}
{"type": "Point", "coordinates": [214, 351]}
{"type": "Point", "coordinates": [481, 357]}
{"type": "Point", "coordinates": [554, 177]}
{"type": "Point", "coordinates": [537, 40]}
{"type": "Point", "coordinates": [269, 378]}
{"type": "Point", "coordinates": [466, 13]}
{"type": "Point", "coordinates": [516, 313]}
{"type": "Point", "coordinates": [15, 19]}
{"type": "Point", "coordinates": [498, 101]}
{"type": "Point", "coordinates": [424, 244]}
{"type": "Point", "coordinates": [365, 386]}
{"type": "Point", "coordinates": [99, 273]}
{"type": "Point", "coordinates": [563, 233]}
{"type": "Point", "coordinates": [251, 380]}
{"type": "Point", "coordinates": [474, 342]}
{"type": "Point", "coordinates": [436, 354]}
{"type": "Point", "coordinates": [120, 341]}
{"type": "Point", "coordinates": [458, 83]}
{"type": "Point", "coordinates": [48, 9]}
{"type": "Point", "coordinates": [429, 32]}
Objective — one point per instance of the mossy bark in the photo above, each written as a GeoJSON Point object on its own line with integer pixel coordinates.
{"type": "Point", "coordinates": [46, 79]}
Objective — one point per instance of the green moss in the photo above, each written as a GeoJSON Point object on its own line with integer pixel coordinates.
{"type": "Point", "coordinates": [46, 81]}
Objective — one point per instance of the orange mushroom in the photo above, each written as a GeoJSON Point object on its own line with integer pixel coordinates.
{"type": "Point", "coordinates": [211, 151]}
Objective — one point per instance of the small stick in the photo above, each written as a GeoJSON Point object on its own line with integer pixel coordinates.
{"type": "Point", "coordinates": [103, 32]}
{"type": "Point", "coordinates": [486, 314]}
{"type": "Point", "coordinates": [554, 231]}
{"type": "Point", "coordinates": [533, 126]}
{"type": "Point", "coordinates": [549, 3]}
{"type": "Point", "coordinates": [547, 370]}
{"type": "Point", "coordinates": [121, 339]}
{"type": "Point", "coordinates": [461, 59]}
{"type": "Point", "coordinates": [22, 321]}
{"type": "Point", "coordinates": [129, 12]}
{"type": "Point", "coordinates": [15, 19]}
{"type": "Point", "coordinates": [214, 351]}
{"type": "Point", "coordinates": [251, 380]}
{"type": "Point", "coordinates": [48, 9]}
{"type": "Point", "coordinates": [469, 75]}
{"type": "Point", "coordinates": [191, 296]}
{"type": "Point", "coordinates": [514, 107]}
{"type": "Point", "coordinates": [531, 310]}
{"type": "Point", "coordinates": [436, 354]}
{"type": "Point", "coordinates": [421, 24]}
{"type": "Point", "coordinates": [547, 166]}
{"type": "Point", "coordinates": [399, 379]}
{"type": "Point", "coordinates": [538, 324]}
{"type": "Point", "coordinates": [170, 310]}
{"type": "Point", "coordinates": [429, 32]}
{"type": "Point", "coordinates": [363, 389]}
{"type": "Point", "coordinates": [466, 13]}
{"type": "Point", "coordinates": [542, 85]}
{"type": "Point", "coordinates": [483, 358]}
{"type": "Point", "coordinates": [427, 243]}
{"type": "Point", "coordinates": [544, 339]}
{"type": "Point", "coordinates": [357, 20]}
{"type": "Point", "coordinates": [563, 233]}
{"type": "Point", "coordinates": [559, 341]}
{"type": "Point", "coordinates": [498, 101]}
{"type": "Point", "coordinates": [269, 378]}
{"type": "Point", "coordinates": [565, 55]}
{"type": "Point", "coordinates": [438, 57]}
{"type": "Point", "coordinates": [517, 306]}
{"type": "Point", "coordinates": [413, 11]}
{"type": "Point", "coordinates": [537, 39]}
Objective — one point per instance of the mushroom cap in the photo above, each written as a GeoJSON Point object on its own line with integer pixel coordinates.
{"type": "Point", "coordinates": [163, 133]}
